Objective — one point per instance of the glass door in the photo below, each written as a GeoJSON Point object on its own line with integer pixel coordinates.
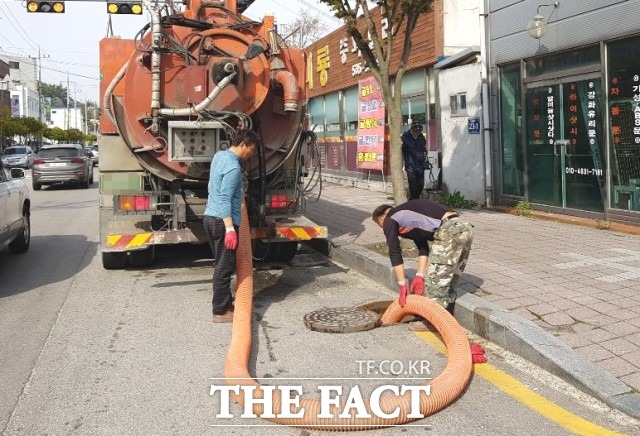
{"type": "Point", "coordinates": [564, 145]}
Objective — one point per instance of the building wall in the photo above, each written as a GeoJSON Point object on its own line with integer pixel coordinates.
{"type": "Point", "coordinates": [462, 151]}
{"type": "Point", "coordinates": [572, 24]}
{"type": "Point", "coordinates": [25, 74]}
{"type": "Point", "coordinates": [460, 25]}
{"type": "Point", "coordinates": [343, 65]}
{"type": "Point", "coordinates": [73, 116]}
{"type": "Point", "coordinates": [572, 27]}
{"type": "Point", "coordinates": [27, 102]}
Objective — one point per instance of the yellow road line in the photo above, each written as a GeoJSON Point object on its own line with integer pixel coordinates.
{"type": "Point", "coordinates": [526, 396]}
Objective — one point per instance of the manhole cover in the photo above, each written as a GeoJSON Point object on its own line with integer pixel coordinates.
{"type": "Point", "coordinates": [341, 320]}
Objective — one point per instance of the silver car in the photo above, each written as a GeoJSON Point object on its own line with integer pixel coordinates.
{"type": "Point", "coordinates": [62, 163]}
{"type": "Point", "coordinates": [18, 156]}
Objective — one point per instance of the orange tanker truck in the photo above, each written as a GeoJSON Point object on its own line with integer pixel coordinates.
{"type": "Point", "coordinates": [171, 97]}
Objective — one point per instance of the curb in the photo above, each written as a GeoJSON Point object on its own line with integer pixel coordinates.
{"type": "Point", "coordinates": [506, 329]}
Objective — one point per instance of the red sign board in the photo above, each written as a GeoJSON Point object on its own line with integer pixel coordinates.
{"type": "Point", "coordinates": [371, 124]}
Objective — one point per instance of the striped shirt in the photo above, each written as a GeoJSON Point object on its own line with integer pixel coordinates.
{"type": "Point", "coordinates": [417, 220]}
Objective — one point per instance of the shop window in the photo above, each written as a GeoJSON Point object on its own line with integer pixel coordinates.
{"type": "Point", "coordinates": [332, 112]}
{"type": "Point", "coordinates": [316, 114]}
{"type": "Point", "coordinates": [511, 131]}
{"type": "Point", "coordinates": [624, 123]}
{"type": "Point", "coordinates": [458, 104]}
{"type": "Point", "coordinates": [414, 82]}
{"type": "Point", "coordinates": [351, 108]}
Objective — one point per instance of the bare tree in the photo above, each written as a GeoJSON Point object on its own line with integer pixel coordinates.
{"type": "Point", "coordinates": [377, 52]}
{"type": "Point", "coordinates": [304, 30]}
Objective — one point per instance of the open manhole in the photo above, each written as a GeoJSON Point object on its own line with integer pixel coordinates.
{"type": "Point", "coordinates": [341, 320]}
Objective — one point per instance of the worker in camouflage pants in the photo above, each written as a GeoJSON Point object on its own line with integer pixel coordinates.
{"type": "Point", "coordinates": [447, 259]}
{"type": "Point", "coordinates": [443, 240]}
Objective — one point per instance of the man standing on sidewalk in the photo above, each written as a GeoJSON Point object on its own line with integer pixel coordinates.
{"type": "Point", "coordinates": [440, 267]}
{"type": "Point", "coordinates": [414, 149]}
{"type": "Point", "coordinates": [222, 217]}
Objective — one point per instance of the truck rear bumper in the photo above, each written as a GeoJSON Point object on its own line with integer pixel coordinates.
{"type": "Point", "coordinates": [133, 232]}
{"type": "Point", "coordinates": [140, 241]}
{"type": "Point", "coordinates": [289, 228]}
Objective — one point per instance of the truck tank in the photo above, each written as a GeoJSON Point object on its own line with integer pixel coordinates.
{"type": "Point", "coordinates": [172, 97]}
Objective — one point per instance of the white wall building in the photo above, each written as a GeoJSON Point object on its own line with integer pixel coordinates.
{"type": "Point", "coordinates": [24, 102]}
{"type": "Point", "coordinates": [63, 118]}
{"type": "Point", "coordinates": [23, 86]}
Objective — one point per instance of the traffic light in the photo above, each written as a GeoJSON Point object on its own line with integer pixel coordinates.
{"type": "Point", "coordinates": [130, 7]}
{"type": "Point", "coordinates": [40, 6]}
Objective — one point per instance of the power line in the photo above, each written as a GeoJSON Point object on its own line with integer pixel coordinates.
{"type": "Point", "coordinates": [21, 34]}
{"type": "Point", "coordinates": [307, 4]}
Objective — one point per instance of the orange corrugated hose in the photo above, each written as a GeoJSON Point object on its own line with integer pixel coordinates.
{"type": "Point", "coordinates": [445, 388]}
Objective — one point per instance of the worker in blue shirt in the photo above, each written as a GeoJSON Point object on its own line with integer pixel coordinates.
{"type": "Point", "coordinates": [414, 149]}
{"type": "Point", "coordinates": [222, 217]}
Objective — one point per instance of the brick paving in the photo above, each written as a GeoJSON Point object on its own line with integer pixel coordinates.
{"type": "Point", "coordinates": [580, 284]}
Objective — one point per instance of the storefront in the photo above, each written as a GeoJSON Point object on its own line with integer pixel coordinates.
{"type": "Point", "coordinates": [567, 125]}
{"type": "Point", "coordinates": [336, 71]}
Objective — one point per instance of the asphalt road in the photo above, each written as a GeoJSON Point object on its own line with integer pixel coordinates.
{"type": "Point", "coordinates": [93, 352]}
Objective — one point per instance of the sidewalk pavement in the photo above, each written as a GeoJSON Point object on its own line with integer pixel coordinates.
{"type": "Point", "coordinates": [564, 297]}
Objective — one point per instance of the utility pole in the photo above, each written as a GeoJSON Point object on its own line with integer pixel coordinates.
{"type": "Point", "coordinates": [68, 115]}
{"type": "Point", "coordinates": [37, 66]}
{"type": "Point", "coordinates": [86, 125]}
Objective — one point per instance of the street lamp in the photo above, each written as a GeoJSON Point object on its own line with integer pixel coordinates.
{"type": "Point", "coordinates": [537, 27]}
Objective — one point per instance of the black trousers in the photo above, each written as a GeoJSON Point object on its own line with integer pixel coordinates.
{"type": "Point", "coordinates": [224, 266]}
{"type": "Point", "coordinates": [416, 184]}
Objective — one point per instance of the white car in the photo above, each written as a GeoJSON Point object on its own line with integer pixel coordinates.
{"type": "Point", "coordinates": [15, 210]}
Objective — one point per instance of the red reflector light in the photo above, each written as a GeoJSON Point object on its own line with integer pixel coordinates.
{"type": "Point", "coordinates": [141, 202]}
{"type": "Point", "coordinates": [277, 201]}
{"type": "Point", "coordinates": [130, 203]}
{"type": "Point", "coordinates": [77, 160]}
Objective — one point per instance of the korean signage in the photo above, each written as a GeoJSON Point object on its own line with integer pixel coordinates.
{"type": "Point", "coordinates": [542, 107]}
{"type": "Point", "coordinates": [334, 62]}
{"type": "Point", "coordinates": [371, 125]}
{"type": "Point", "coordinates": [625, 110]}
{"type": "Point", "coordinates": [582, 128]}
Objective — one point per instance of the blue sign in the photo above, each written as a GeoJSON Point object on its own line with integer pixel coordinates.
{"type": "Point", "coordinates": [474, 126]}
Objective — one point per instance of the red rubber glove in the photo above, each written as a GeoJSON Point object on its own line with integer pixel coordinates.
{"type": "Point", "coordinates": [231, 239]}
{"type": "Point", "coordinates": [402, 297]}
{"type": "Point", "coordinates": [417, 285]}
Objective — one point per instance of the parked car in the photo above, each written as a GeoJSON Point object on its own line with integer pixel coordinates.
{"type": "Point", "coordinates": [96, 154]}
{"type": "Point", "coordinates": [15, 209]}
{"type": "Point", "coordinates": [62, 163]}
{"type": "Point", "coordinates": [18, 156]}
{"type": "Point", "coordinates": [90, 154]}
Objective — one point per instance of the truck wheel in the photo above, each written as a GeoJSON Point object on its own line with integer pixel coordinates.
{"type": "Point", "coordinates": [21, 243]}
{"type": "Point", "coordinates": [114, 260]}
{"type": "Point", "coordinates": [142, 258]}
{"type": "Point", "coordinates": [285, 251]}
{"type": "Point", "coordinates": [261, 251]}
{"type": "Point", "coordinates": [36, 186]}
{"type": "Point", "coordinates": [86, 183]}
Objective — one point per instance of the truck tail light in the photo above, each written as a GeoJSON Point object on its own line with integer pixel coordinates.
{"type": "Point", "coordinates": [77, 160]}
{"type": "Point", "coordinates": [134, 203]}
{"type": "Point", "coordinates": [279, 201]}
{"type": "Point", "coordinates": [38, 161]}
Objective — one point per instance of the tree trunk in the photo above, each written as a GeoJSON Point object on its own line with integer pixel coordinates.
{"type": "Point", "coordinates": [396, 161]}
